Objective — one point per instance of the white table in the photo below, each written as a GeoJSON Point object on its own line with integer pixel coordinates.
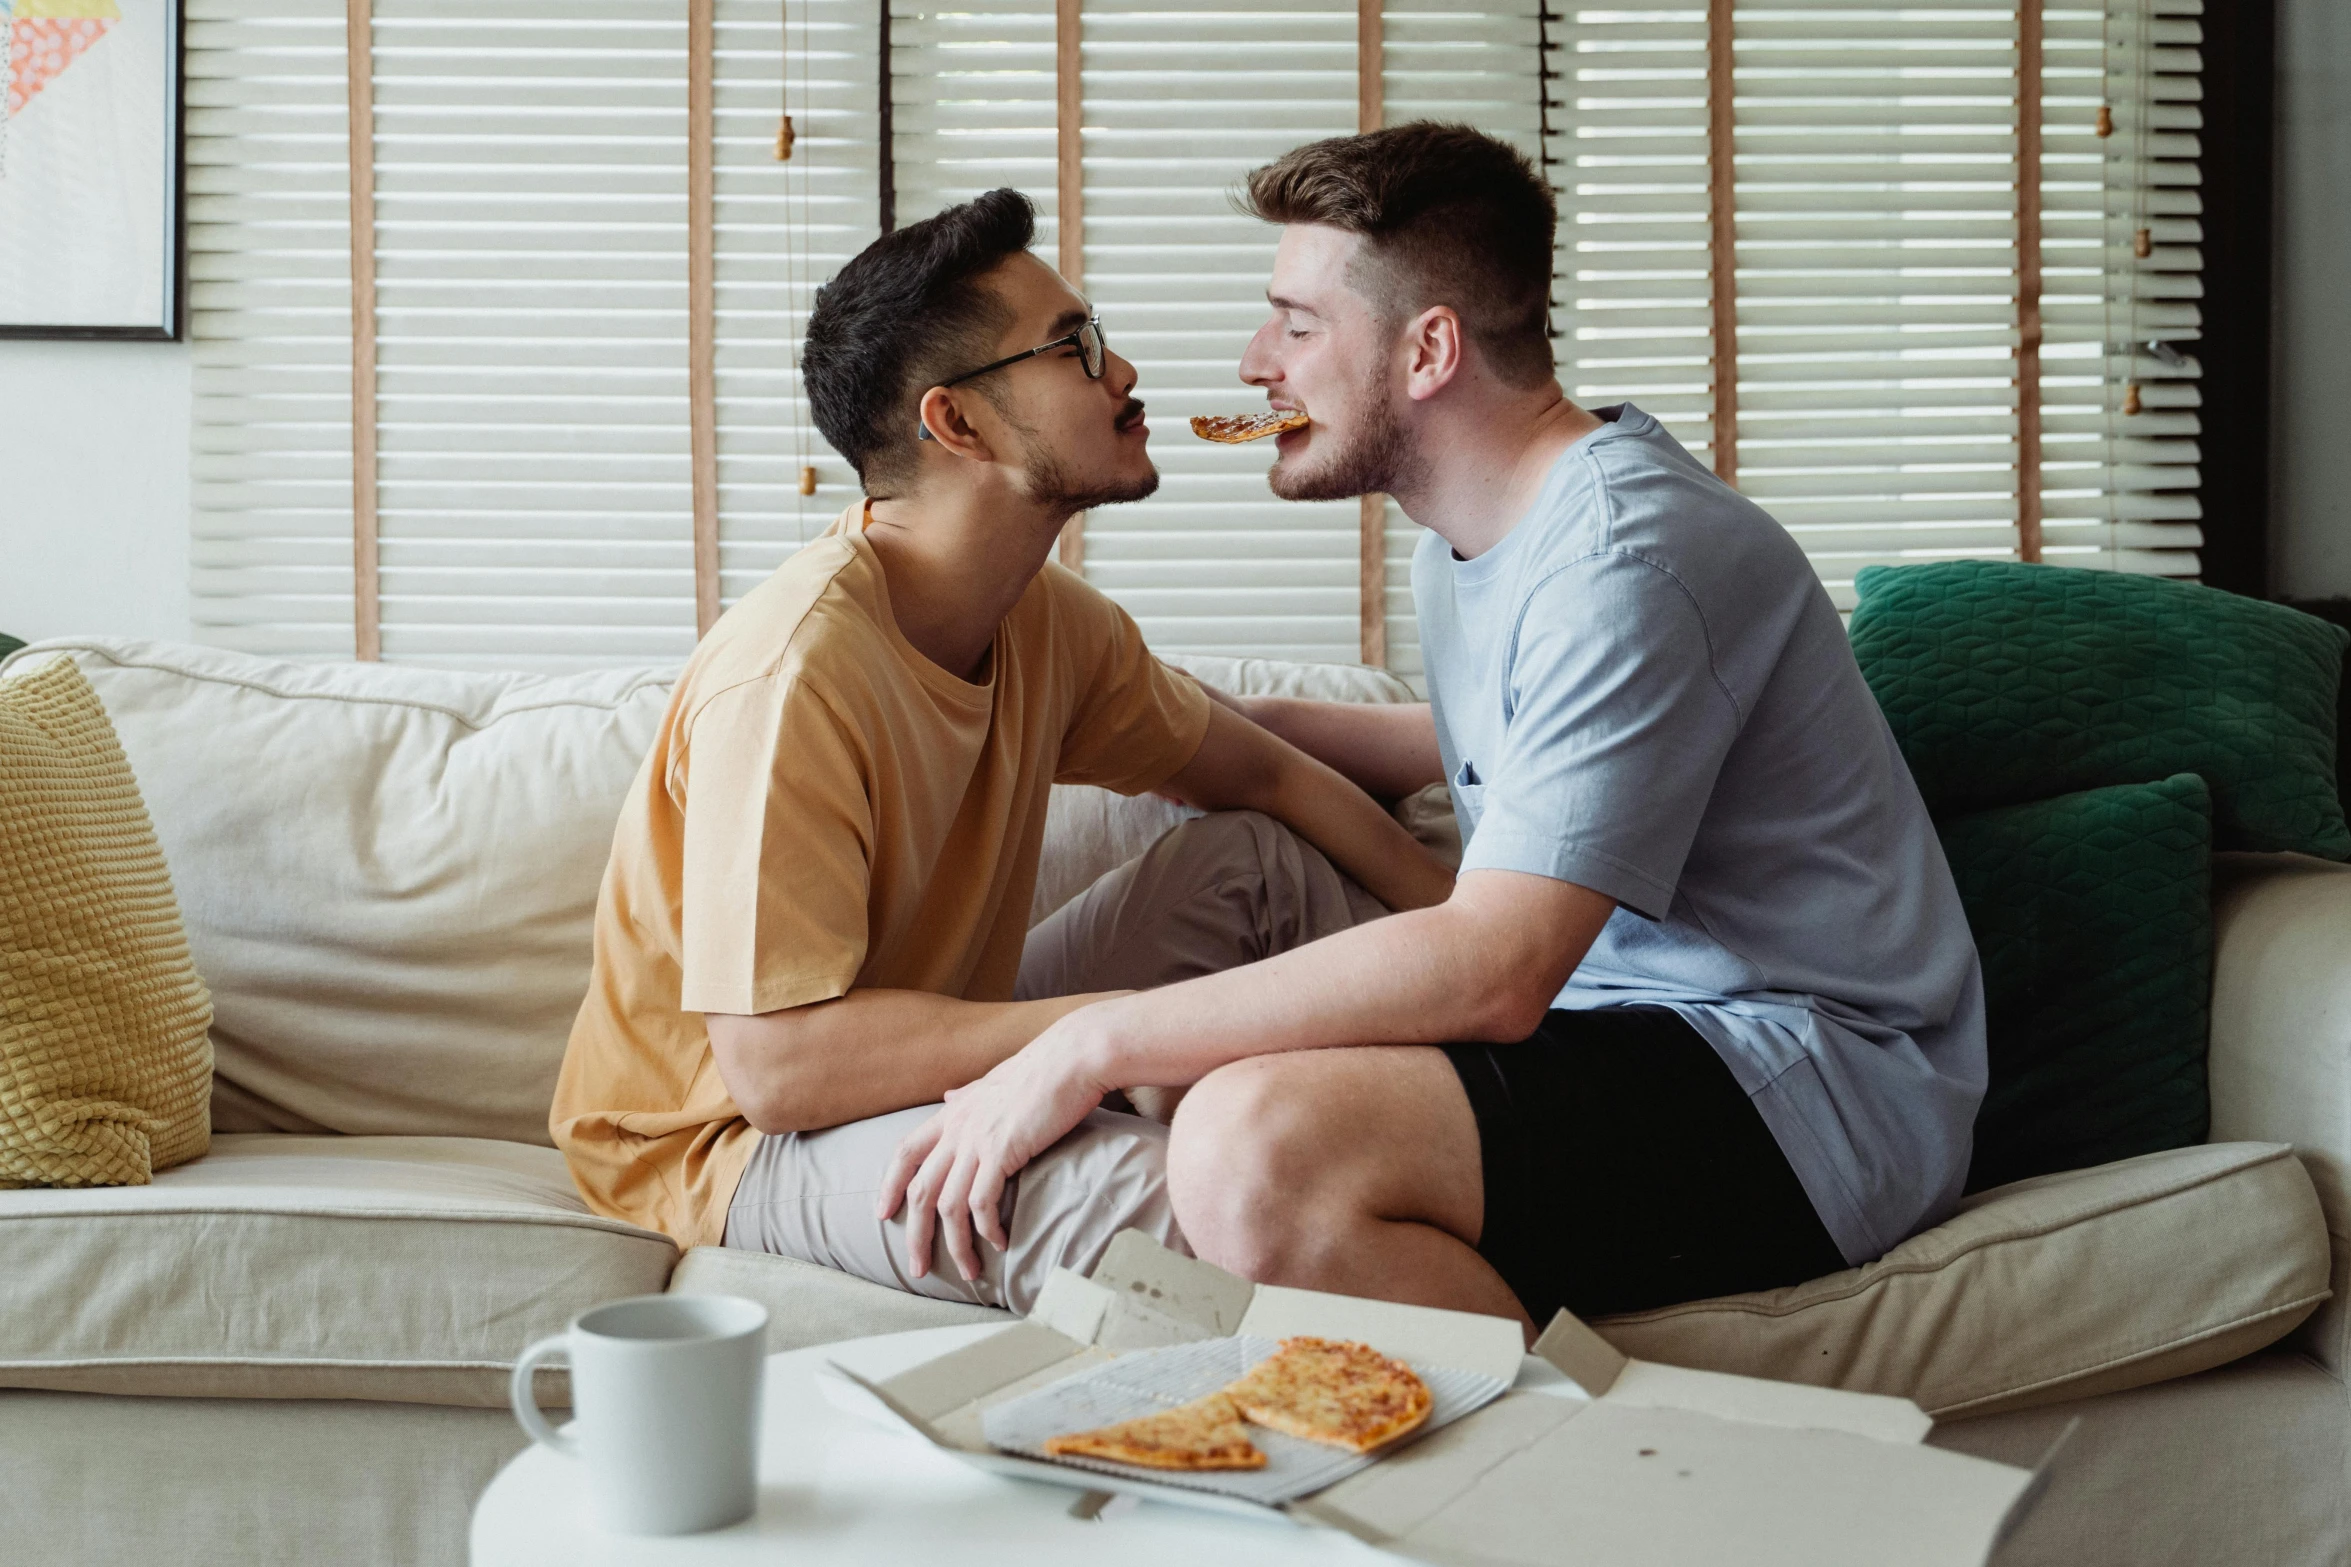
{"type": "Point", "coordinates": [837, 1489]}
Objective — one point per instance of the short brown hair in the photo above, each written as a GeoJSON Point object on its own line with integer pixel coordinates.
{"type": "Point", "coordinates": [907, 312]}
{"type": "Point", "coordinates": [1451, 216]}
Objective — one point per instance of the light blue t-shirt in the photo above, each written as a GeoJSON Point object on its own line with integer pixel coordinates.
{"type": "Point", "coordinates": [1643, 689]}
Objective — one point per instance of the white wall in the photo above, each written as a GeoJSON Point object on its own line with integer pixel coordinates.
{"type": "Point", "coordinates": [2310, 496]}
{"type": "Point", "coordinates": [94, 489]}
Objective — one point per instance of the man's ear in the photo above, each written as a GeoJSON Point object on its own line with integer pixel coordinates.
{"type": "Point", "coordinates": [1435, 352]}
{"type": "Point", "coordinates": [949, 430]}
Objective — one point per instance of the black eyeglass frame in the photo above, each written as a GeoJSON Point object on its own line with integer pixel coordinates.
{"type": "Point", "coordinates": [1094, 363]}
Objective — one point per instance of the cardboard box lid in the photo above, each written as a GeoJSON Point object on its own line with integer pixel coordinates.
{"type": "Point", "coordinates": [1637, 1463]}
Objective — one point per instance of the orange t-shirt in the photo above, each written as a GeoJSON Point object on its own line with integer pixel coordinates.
{"type": "Point", "coordinates": [823, 809]}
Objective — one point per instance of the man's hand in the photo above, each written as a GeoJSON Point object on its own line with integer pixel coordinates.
{"type": "Point", "coordinates": [951, 1172]}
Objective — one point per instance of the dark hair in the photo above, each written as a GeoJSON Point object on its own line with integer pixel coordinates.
{"type": "Point", "coordinates": [902, 316]}
{"type": "Point", "coordinates": [1451, 217]}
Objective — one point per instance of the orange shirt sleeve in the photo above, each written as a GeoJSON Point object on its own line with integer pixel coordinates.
{"type": "Point", "coordinates": [1134, 722]}
{"type": "Point", "coordinates": [779, 836]}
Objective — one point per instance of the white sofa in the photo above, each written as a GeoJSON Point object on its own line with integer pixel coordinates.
{"type": "Point", "coordinates": [295, 1349]}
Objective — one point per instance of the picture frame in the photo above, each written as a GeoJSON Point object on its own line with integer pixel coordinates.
{"type": "Point", "coordinates": [93, 224]}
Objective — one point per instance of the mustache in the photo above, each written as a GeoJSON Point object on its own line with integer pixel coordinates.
{"type": "Point", "coordinates": [1129, 414]}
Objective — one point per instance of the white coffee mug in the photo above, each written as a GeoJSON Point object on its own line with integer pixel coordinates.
{"type": "Point", "coordinates": [665, 1409]}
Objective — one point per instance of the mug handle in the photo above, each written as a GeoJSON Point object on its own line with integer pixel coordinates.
{"type": "Point", "coordinates": [526, 1403]}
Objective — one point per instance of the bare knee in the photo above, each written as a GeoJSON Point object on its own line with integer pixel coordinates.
{"type": "Point", "coordinates": [1244, 1176]}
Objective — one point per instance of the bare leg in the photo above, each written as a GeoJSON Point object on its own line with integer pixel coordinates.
{"type": "Point", "coordinates": [1353, 1171]}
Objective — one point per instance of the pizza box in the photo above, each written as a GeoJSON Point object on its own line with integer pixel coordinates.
{"type": "Point", "coordinates": [1591, 1457]}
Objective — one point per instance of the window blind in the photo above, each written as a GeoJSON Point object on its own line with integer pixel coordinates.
{"type": "Point", "coordinates": [528, 168]}
{"type": "Point", "coordinates": [1876, 249]}
{"type": "Point", "coordinates": [781, 229]}
{"type": "Point", "coordinates": [535, 484]}
{"type": "Point", "coordinates": [270, 326]}
{"type": "Point", "coordinates": [1178, 106]}
{"type": "Point", "coordinates": [1476, 64]}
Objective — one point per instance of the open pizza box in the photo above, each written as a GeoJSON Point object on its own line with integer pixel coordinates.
{"type": "Point", "coordinates": [1591, 1457]}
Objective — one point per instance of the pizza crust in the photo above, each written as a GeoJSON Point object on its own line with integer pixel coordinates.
{"type": "Point", "coordinates": [1341, 1394]}
{"type": "Point", "coordinates": [1232, 429]}
{"type": "Point", "coordinates": [1205, 1434]}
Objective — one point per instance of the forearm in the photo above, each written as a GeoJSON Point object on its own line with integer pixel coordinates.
{"type": "Point", "coordinates": [1359, 837]}
{"type": "Point", "coordinates": [1241, 767]}
{"type": "Point", "coordinates": [868, 1053]}
{"type": "Point", "coordinates": [1484, 966]}
{"type": "Point", "coordinates": [1394, 981]}
{"type": "Point", "coordinates": [1386, 749]}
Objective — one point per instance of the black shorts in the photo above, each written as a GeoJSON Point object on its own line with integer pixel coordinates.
{"type": "Point", "coordinates": [1625, 1168]}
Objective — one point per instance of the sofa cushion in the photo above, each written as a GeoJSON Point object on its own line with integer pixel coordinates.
{"type": "Point", "coordinates": [2093, 914]}
{"type": "Point", "coordinates": [808, 1304]}
{"type": "Point", "coordinates": [402, 1269]}
{"type": "Point", "coordinates": [388, 874]}
{"type": "Point", "coordinates": [2055, 1288]}
{"type": "Point", "coordinates": [2007, 682]}
{"type": "Point", "coordinates": [105, 1071]}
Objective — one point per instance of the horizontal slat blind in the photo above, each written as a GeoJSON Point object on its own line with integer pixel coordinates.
{"type": "Point", "coordinates": [1477, 64]}
{"type": "Point", "coordinates": [531, 219]}
{"type": "Point", "coordinates": [1179, 105]}
{"type": "Point", "coordinates": [270, 323]}
{"type": "Point", "coordinates": [530, 157]}
{"type": "Point", "coordinates": [2120, 488]}
{"type": "Point", "coordinates": [1874, 186]}
{"type": "Point", "coordinates": [782, 229]}
{"type": "Point", "coordinates": [536, 494]}
{"type": "Point", "coordinates": [972, 107]}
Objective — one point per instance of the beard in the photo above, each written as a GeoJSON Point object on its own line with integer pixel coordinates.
{"type": "Point", "coordinates": [1378, 460]}
{"type": "Point", "coordinates": [1052, 486]}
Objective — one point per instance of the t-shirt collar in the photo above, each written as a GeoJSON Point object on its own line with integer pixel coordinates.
{"type": "Point", "coordinates": [1618, 421]}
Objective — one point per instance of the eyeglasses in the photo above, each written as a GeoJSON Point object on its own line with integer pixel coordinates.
{"type": "Point", "coordinates": [1087, 340]}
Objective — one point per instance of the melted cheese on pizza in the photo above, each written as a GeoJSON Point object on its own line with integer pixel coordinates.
{"type": "Point", "coordinates": [1344, 1394]}
{"type": "Point", "coordinates": [1204, 1434]}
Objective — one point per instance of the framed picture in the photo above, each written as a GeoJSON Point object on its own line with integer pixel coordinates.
{"type": "Point", "coordinates": [90, 187]}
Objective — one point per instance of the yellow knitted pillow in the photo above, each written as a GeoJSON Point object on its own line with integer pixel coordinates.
{"type": "Point", "coordinates": [105, 1064]}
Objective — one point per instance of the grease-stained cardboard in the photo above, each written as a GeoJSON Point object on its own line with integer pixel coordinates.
{"type": "Point", "coordinates": [1610, 1460]}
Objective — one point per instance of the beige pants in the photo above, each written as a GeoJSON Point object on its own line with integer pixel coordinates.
{"type": "Point", "coordinates": [1213, 894]}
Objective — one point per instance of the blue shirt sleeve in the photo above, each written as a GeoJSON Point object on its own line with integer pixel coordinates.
{"type": "Point", "coordinates": [1615, 729]}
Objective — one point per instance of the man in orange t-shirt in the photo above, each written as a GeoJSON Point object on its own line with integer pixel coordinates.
{"type": "Point", "coordinates": [814, 925]}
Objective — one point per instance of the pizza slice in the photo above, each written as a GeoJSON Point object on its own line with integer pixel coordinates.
{"type": "Point", "coordinates": [1343, 1394]}
{"type": "Point", "coordinates": [1205, 1434]}
{"type": "Point", "coordinates": [1235, 428]}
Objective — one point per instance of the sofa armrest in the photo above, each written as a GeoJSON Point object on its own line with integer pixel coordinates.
{"type": "Point", "coordinates": [2281, 1040]}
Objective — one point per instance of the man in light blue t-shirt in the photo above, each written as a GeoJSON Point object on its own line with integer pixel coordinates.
{"type": "Point", "coordinates": [1702, 1013]}
{"type": "Point", "coordinates": [1641, 688]}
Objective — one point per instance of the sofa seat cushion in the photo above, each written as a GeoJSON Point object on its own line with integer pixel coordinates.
{"type": "Point", "coordinates": [2055, 1288]}
{"type": "Point", "coordinates": [808, 1304]}
{"type": "Point", "coordinates": [402, 1269]}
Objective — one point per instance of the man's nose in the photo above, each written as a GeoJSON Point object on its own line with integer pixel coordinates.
{"type": "Point", "coordinates": [1257, 367]}
{"type": "Point", "coordinates": [1120, 373]}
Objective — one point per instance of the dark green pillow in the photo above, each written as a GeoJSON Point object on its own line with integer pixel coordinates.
{"type": "Point", "coordinates": [9, 644]}
{"type": "Point", "coordinates": [2007, 682]}
{"type": "Point", "coordinates": [2093, 915]}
